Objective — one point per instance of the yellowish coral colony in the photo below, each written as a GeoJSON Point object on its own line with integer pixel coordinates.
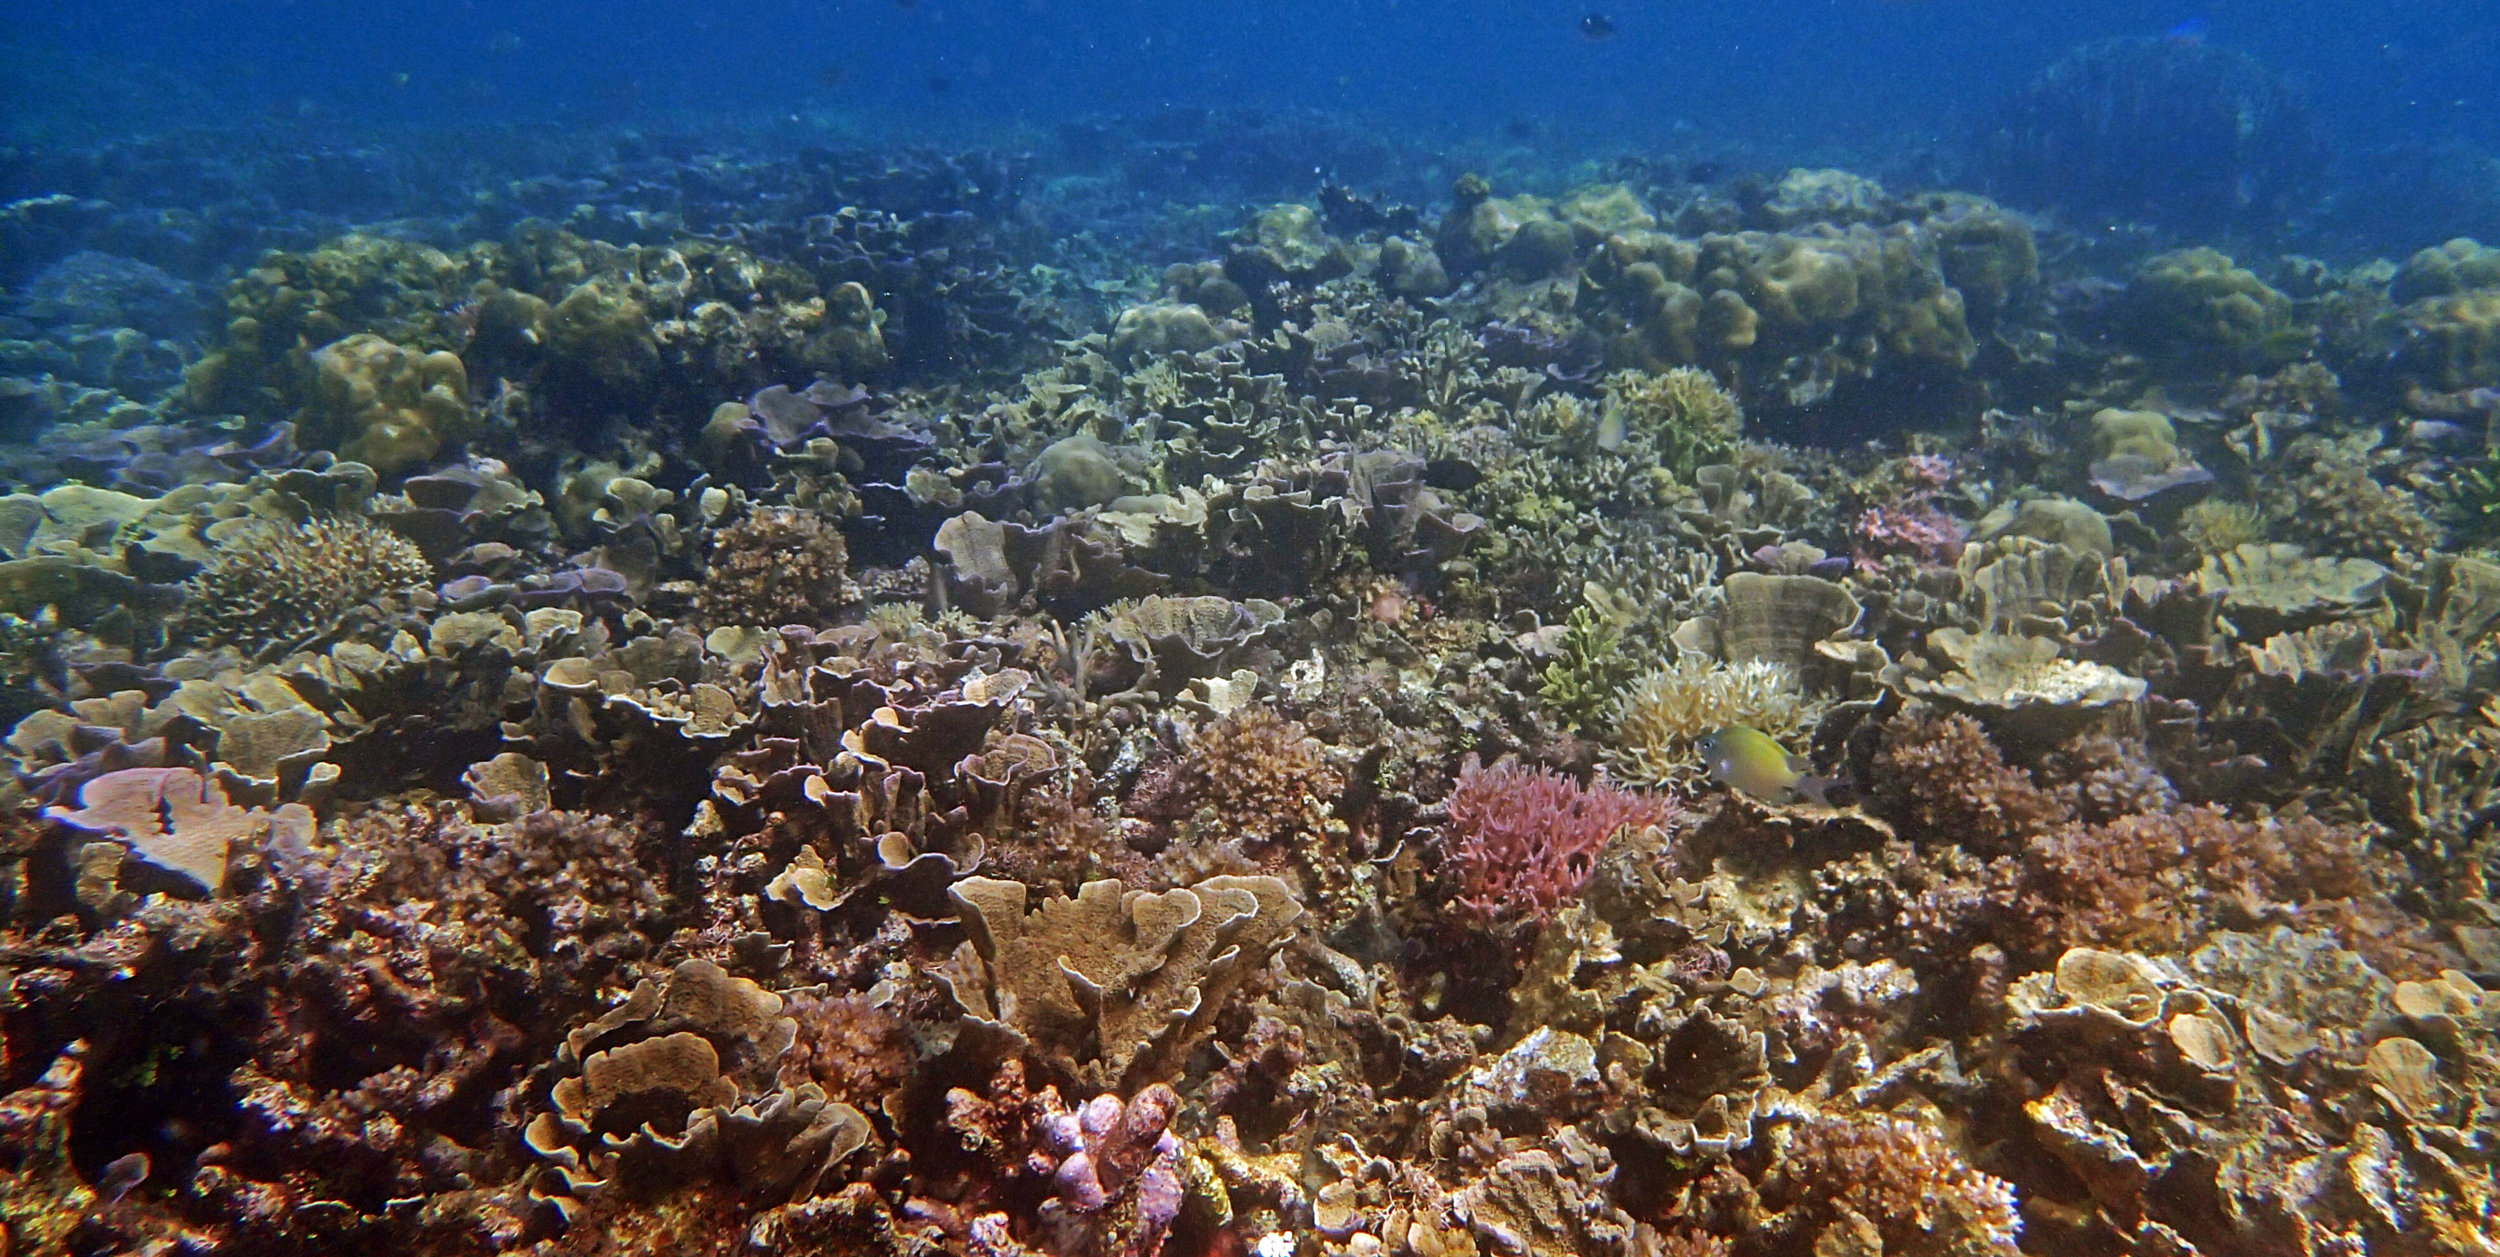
{"type": "Point", "coordinates": [1631, 720]}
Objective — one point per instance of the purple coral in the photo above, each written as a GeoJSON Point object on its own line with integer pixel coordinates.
{"type": "Point", "coordinates": [1523, 841]}
{"type": "Point", "coordinates": [1105, 1147]}
{"type": "Point", "coordinates": [1915, 527]}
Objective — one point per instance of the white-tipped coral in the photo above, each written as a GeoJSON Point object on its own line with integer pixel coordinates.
{"type": "Point", "coordinates": [1660, 719]}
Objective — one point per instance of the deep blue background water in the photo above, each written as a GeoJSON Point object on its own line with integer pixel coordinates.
{"type": "Point", "coordinates": [1849, 71]}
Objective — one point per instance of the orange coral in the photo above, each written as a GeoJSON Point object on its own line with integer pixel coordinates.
{"type": "Point", "coordinates": [1895, 1182]}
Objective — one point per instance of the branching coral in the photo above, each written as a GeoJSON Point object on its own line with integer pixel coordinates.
{"type": "Point", "coordinates": [1523, 841]}
{"type": "Point", "coordinates": [1688, 419]}
{"type": "Point", "coordinates": [1252, 777]}
{"type": "Point", "coordinates": [2327, 498]}
{"type": "Point", "coordinates": [1591, 667]}
{"type": "Point", "coordinates": [1660, 718]}
{"type": "Point", "coordinates": [272, 584]}
{"type": "Point", "coordinates": [779, 565]}
{"type": "Point", "coordinates": [1891, 1186]}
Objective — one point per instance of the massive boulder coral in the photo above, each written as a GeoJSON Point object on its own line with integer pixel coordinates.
{"type": "Point", "coordinates": [2198, 302]}
{"type": "Point", "coordinates": [385, 406]}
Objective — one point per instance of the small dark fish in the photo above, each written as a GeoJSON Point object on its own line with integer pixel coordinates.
{"type": "Point", "coordinates": [121, 1175]}
{"type": "Point", "coordinates": [1597, 26]}
{"type": "Point", "coordinates": [1705, 172]}
{"type": "Point", "coordinates": [941, 84]}
{"type": "Point", "coordinates": [830, 77]}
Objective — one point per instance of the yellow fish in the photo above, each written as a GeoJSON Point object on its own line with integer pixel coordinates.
{"type": "Point", "coordinates": [1755, 763]}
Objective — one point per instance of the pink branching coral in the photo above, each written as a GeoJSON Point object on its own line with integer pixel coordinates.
{"type": "Point", "coordinates": [1523, 841]}
{"type": "Point", "coordinates": [1919, 529]}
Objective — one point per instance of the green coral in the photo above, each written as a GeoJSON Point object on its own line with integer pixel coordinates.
{"type": "Point", "coordinates": [1590, 667]}
{"type": "Point", "coordinates": [1685, 418]}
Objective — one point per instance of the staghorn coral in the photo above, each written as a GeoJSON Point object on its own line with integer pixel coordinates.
{"type": "Point", "coordinates": [1590, 667]}
{"type": "Point", "coordinates": [271, 584]}
{"type": "Point", "coordinates": [779, 565]}
{"type": "Point", "coordinates": [1521, 842]}
{"type": "Point", "coordinates": [1658, 719]}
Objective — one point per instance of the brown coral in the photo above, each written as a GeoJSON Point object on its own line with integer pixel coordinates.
{"type": "Point", "coordinates": [1252, 777]}
{"type": "Point", "coordinates": [1942, 779]}
{"type": "Point", "coordinates": [2159, 882]}
{"type": "Point", "coordinates": [272, 584]}
{"type": "Point", "coordinates": [1890, 1186]}
{"type": "Point", "coordinates": [779, 565]}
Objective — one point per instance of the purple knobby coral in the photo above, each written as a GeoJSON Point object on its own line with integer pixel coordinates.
{"type": "Point", "coordinates": [1106, 1147]}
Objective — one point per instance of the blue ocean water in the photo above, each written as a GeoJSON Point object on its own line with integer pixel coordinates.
{"type": "Point", "coordinates": [1873, 73]}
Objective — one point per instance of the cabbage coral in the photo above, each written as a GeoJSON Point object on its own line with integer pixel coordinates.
{"type": "Point", "coordinates": [1660, 718]}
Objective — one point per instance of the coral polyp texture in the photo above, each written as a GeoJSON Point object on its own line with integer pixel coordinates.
{"type": "Point", "coordinates": [732, 697]}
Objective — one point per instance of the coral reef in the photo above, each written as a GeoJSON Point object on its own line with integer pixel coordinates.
{"type": "Point", "coordinates": [777, 698]}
